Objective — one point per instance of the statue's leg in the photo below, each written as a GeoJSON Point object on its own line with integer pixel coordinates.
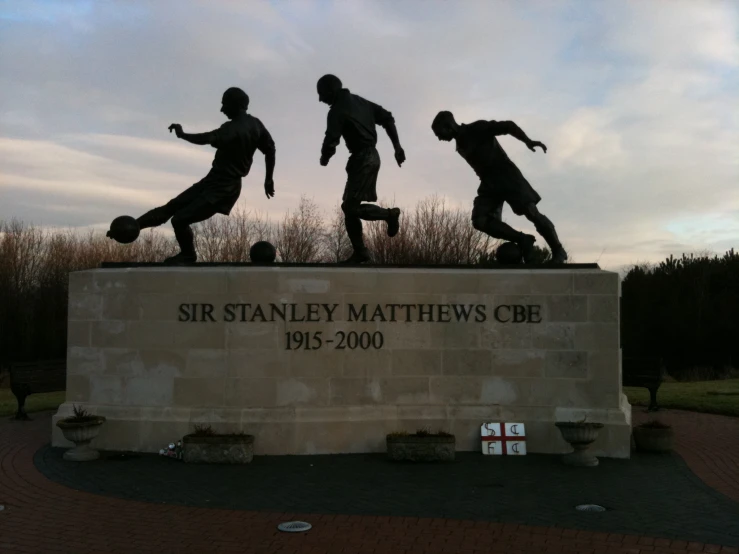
{"type": "Point", "coordinates": [197, 211]}
{"type": "Point", "coordinates": [157, 216]}
{"type": "Point", "coordinates": [487, 216]}
{"type": "Point", "coordinates": [363, 168]}
{"type": "Point", "coordinates": [160, 216]}
{"type": "Point", "coordinates": [353, 223]}
{"type": "Point", "coordinates": [372, 212]}
{"type": "Point", "coordinates": [546, 229]}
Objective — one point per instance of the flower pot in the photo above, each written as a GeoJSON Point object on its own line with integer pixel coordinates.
{"type": "Point", "coordinates": [654, 439]}
{"type": "Point", "coordinates": [81, 433]}
{"type": "Point", "coordinates": [580, 436]}
{"type": "Point", "coordinates": [218, 449]}
{"type": "Point", "coordinates": [421, 449]}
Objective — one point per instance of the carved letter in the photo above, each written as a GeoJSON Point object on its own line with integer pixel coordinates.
{"type": "Point", "coordinates": [481, 315]}
{"type": "Point", "coordinates": [462, 311]}
{"type": "Point", "coordinates": [228, 313]}
{"type": "Point", "coordinates": [313, 312]}
{"type": "Point", "coordinates": [354, 315]}
{"type": "Point", "coordinates": [422, 312]}
{"type": "Point", "coordinates": [276, 310]}
{"type": "Point", "coordinates": [497, 313]}
{"type": "Point", "coordinates": [184, 312]}
{"type": "Point", "coordinates": [330, 309]}
{"type": "Point", "coordinates": [207, 312]}
{"type": "Point", "coordinates": [519, 313]}
{"type": "Point", "coordinates": [378, 314]}
{"type": "Point", "coordinates": [534, 313]}
{"type": "Point", "coordinates": [258, 313]}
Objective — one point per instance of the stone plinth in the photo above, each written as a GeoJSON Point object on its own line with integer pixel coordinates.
{"type": "Point", "coordinates": [332, 359]}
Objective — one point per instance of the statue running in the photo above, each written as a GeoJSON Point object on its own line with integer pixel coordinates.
{"type": "Point", "coordinates": [354, 118]}
{"type": "Point", "coordinates": [500, 181]}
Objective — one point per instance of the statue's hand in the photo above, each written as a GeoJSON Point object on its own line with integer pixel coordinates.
{"type": "Point", "coordinates": [399, 156]}
{"type": "Point", "coordinates": [324, 160]}
{"type": "Point", "coordinates": [177, 128]}
{"type": "Point", "coordinates": [269, 188]}
{"type": "Point", "coordinates": [534, 143]}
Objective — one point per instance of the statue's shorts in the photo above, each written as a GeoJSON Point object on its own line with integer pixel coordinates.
{"type": "Point", "coordinates": [220, 192]}
{"type": "Point", "coordinates": [362, 169]}
{"type": "Point", "coordinates": [491, 197]}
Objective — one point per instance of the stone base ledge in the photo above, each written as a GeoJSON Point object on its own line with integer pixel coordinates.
{"type": "Point", "coordinates": [351, 429]}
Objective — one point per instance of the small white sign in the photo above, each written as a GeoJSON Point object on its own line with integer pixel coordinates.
{"type": "Point", "coordinates": [503, 439]}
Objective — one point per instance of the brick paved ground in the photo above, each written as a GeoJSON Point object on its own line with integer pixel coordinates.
{"type": "Point", "coordinates": [708, 443]}
{"type": "Point", "coordinates": [44, 516]}
{"type": "Point", "coordinates": [644, 495]}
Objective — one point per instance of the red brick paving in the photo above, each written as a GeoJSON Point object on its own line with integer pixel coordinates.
{"type": "Point", "coordinates": [42, 517]}
{"type": "Point", "coordinates": [708, 443]}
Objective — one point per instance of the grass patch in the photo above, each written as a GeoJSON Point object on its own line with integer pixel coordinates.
{"type": "Point", "coordinates": [34, 403]}
{"type": "Point", "coordinates": [712, 397]}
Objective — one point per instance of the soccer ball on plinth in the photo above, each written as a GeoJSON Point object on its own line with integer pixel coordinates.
{"type": "Point", "coordinates": [124, 229]}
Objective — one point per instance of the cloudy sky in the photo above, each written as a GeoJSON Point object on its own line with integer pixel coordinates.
{"type": "Point", "coordinates": [636, 101]}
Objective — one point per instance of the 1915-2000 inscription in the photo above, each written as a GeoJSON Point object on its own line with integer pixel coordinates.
{"type": "Point", "coordinates": [386, 313]}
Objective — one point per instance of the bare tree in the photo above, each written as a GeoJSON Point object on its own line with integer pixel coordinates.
{"type": "Point", "coordinates": [299, 238]}
{"type": "Point", "coordinates": [229, 239]}
{"type": "Point", "coordinates": [430, 234]}
{"type": "Point", "coordinates": [337, 246]}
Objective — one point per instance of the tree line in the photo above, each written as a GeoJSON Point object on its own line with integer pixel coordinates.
{"type": "Point", "coordinates": [683, 310]}
{"type": "Point", "coordinates": [686, 311]}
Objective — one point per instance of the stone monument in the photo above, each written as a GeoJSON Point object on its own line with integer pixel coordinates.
{"type": "Point", "coordinates": [329, 359]}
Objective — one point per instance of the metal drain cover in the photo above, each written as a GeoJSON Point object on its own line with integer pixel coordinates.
{"type": "Point", "coordinates": [294, 526]}
{"type": "Point", "coordinates": [590, 508]}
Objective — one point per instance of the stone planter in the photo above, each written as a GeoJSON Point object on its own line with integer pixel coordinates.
{"type": "Point", "coordinates": [218, 449]}
{"type": "Point", "coordinates": [421, 448]}
{"type": "Point", "coordinates": [654, 439]}
{"type": "Point", "coordinates": [580, 436]}
{"type": "Point", "coordinates": [81, 433]}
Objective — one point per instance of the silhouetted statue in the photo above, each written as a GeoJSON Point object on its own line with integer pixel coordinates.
{"type": "Point", "coordinates": [354, 118]}
{"type": "Point", "coordinates": [235, 142]}
{"type": "Point", "coordinates": [500, 181]}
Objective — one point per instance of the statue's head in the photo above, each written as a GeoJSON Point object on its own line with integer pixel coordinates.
{"type": "Point", "coordinates": [444, 126]}
{"type": "Point", "coordinates": [234, 102]}
{"type": "Point", "coordinates": [328, 89]}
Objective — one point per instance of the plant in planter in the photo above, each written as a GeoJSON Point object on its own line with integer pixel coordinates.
{"type": "Point", "coordinates": [580, 435]}
{"type": "Point", "coordinates": [80, 429]}
{"type": "Point", "coordinates": [654, 436]}
{"type": "Point", "coordinates": [204, 445]}
{"type": "Point", "coordinates": [422, 446]}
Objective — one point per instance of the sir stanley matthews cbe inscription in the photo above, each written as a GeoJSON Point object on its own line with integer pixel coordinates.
{"type": "Point", "coordinates": [340, 340]}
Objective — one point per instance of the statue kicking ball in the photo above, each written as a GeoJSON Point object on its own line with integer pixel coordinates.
{"type": "Point", "coordinates": [235, 142]}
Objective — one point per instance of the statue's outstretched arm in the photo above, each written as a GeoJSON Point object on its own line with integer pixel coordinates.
{"type": "Point", "coordinates": [194, 138]}
{"type": "Point", "coordinates": [499, 128]}
{"type": "Point", "coordinates": [198, 138]}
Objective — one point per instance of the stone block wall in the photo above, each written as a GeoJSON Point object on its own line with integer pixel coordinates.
{"type": "Point", "coordinates": [259, 349]}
